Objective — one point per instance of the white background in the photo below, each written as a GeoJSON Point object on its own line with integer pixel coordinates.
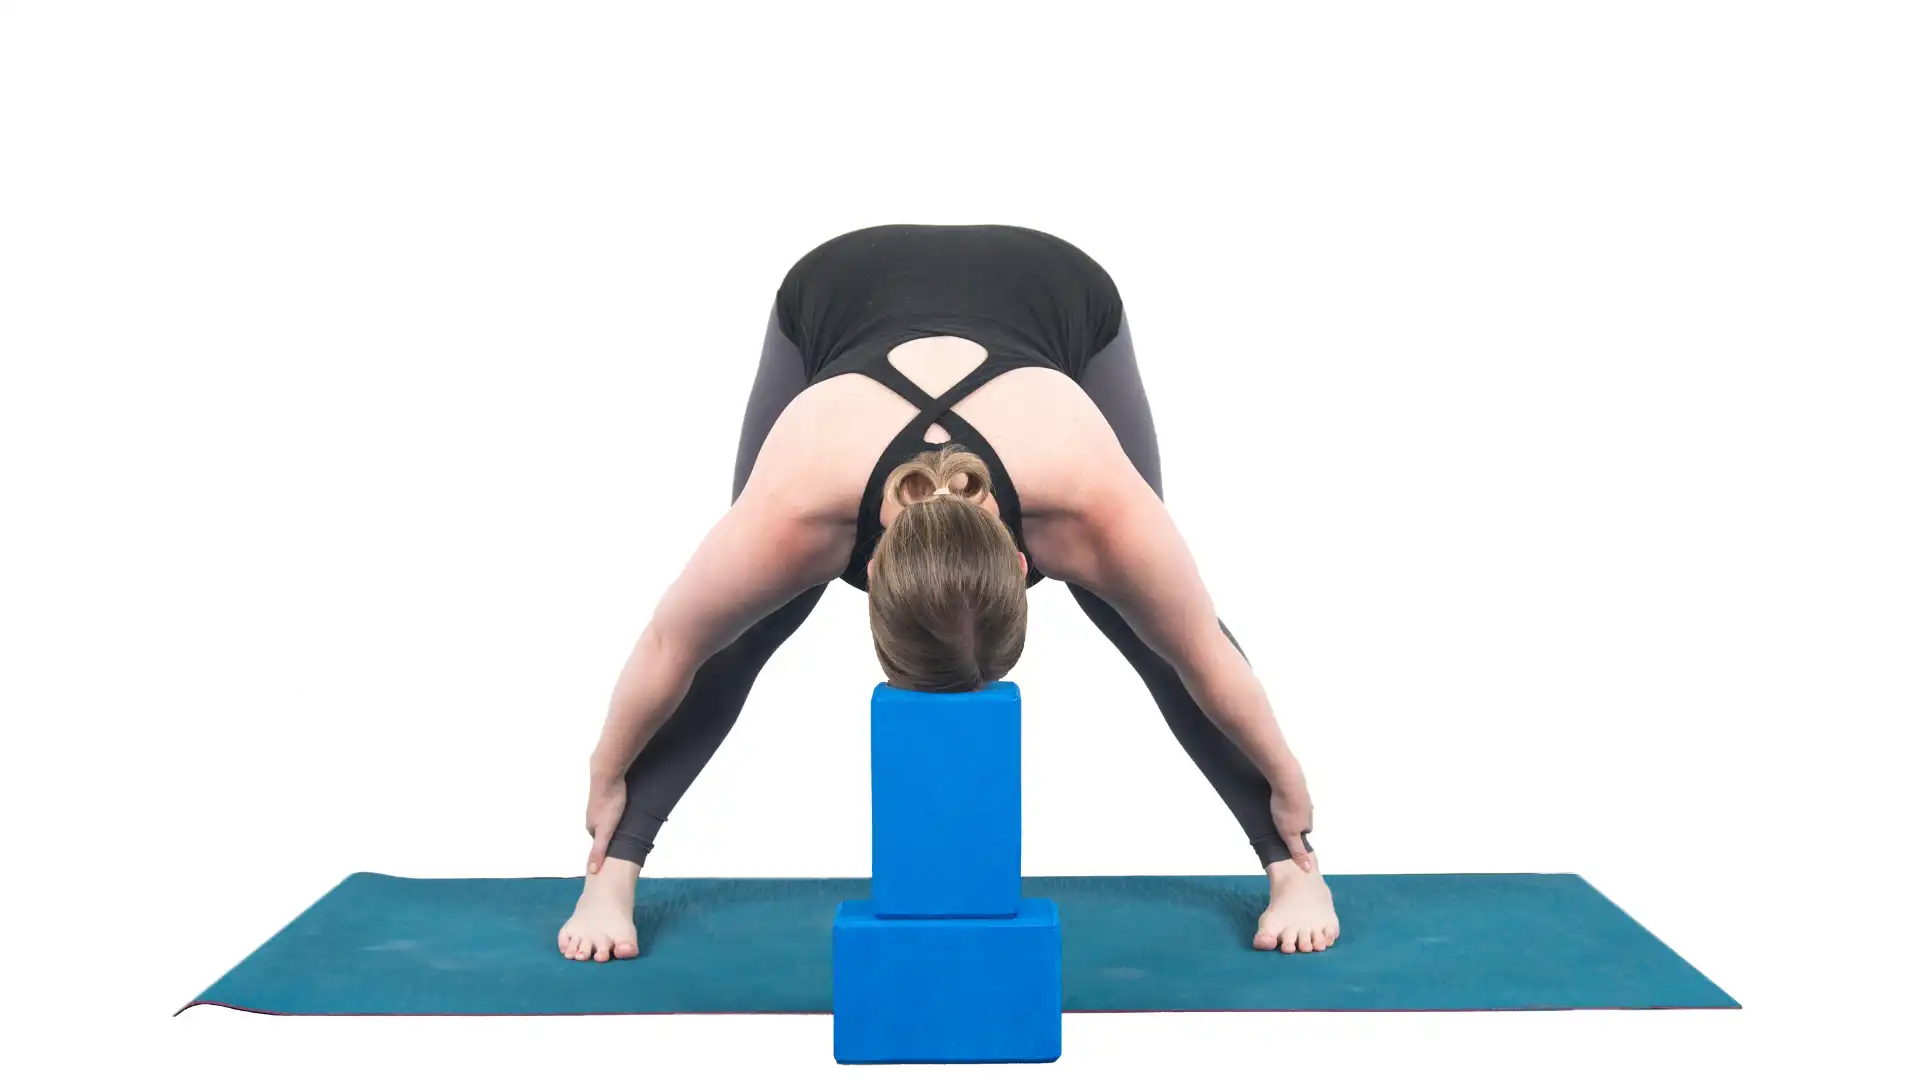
{"type": "Point", "coordinates": [1535, 382]}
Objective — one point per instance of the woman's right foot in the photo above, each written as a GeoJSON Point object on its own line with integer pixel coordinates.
{"type": "Point", "coordinates": [602, 924]}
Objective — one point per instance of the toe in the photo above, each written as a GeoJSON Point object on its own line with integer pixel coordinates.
{"type": "Point", "coordinates": [626, 949]}
{"type": "Point", "coordinates": [602, 949]}
{"type": "Point", "coordinates": [1289, 939]}
{"type": "Point", "coordinates": [1267, 935]}
{"type": "Point", "coordinates": [582, 948]}
{"type": "Point", "coordinates": [566, 942]}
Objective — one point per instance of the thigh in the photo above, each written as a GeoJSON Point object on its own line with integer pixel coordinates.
{"type": "Point", "coordinates": [1112, 379]}
{"type": "Point", "coordinates": [781, 377]}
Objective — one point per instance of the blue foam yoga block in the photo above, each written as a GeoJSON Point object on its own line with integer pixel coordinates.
{"type": "Point", "coordinates": [946, 803]}
{"type": "Point", "coordinates": [946, 990]}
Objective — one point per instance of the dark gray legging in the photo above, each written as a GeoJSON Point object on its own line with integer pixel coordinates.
{"type": "Point", "coordinates": [687, 741]}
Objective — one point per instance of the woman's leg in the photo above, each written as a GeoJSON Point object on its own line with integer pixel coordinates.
{"type": "Point", "coordinates": [780, 378]}
{"type": "Point", "coordinates": [1112, 380]}
{"type": "Point", "coordinates": [680, 749]}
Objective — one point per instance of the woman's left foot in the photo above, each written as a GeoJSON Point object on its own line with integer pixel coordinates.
{"type": "Point", "coordinates": [1299, 915]}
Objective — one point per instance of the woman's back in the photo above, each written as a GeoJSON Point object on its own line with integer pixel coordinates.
{"type": "Point", "coordinates": [885, 320]}
{"type": "Point", "coordinates": [1042, 427]}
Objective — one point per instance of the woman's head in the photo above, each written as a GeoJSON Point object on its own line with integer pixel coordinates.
{"type": "Point", "coordinates": [947, 588]}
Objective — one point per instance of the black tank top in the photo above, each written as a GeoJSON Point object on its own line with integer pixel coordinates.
{"type": "Point", "coordinates": [1032, 300]}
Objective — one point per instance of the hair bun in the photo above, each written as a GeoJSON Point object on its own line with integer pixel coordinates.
{"type": "Point", "coordinates": [961, 472]}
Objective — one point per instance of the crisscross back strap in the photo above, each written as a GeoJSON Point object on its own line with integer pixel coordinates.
{"type": "Point", "coordinates": [935, 410]}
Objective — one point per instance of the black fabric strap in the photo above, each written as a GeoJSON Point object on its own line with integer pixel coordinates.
{"type": "Point", "coordinates": [938, 410]}
{"type": "Point", "coordinates": [884, 373]}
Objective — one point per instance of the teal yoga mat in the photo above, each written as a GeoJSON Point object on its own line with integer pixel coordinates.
{"type": "Point", "coordinates": [384, 945]}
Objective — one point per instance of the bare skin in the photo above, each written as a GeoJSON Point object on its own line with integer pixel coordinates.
{"type": "Point", "coordinates": [602, 924]}
{"type": "Point", "coordinates": [1088, 519]}
{"type": "Point", "coordinates": [1299, 915]}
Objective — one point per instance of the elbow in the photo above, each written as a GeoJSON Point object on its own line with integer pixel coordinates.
{"type": "Point", "coordinates": [663, 662]}
{"type": "Point", "coordinates": [663, 650]}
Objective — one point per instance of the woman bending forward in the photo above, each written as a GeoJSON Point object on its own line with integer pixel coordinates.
{"type": "Point", "coordinates": [943, 416]}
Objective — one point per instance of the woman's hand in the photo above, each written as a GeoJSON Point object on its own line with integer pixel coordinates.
{"type": "Point", "coordinates": [606, 801]}
{"type": "Point", "coordinates": [1293, 814]}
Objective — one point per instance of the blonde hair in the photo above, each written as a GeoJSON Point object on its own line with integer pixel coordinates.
{"type": "Point", "coordinates": [946, 598]}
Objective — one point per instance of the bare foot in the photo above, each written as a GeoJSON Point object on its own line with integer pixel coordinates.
{"type": "Point", "coordinates": [602, 924]}
{"type": "Point", "coordinates": [1299, 915]}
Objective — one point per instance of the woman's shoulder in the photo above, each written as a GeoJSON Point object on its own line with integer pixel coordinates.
{"type": "Point", "coordinates": [822, 447]}
{"type": "Point", "coordinates": [1048, 434]}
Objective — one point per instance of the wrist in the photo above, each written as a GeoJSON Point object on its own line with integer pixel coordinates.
{"type": "Point", "coordinates": [1283, 772]}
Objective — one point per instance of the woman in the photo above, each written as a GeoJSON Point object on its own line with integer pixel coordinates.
{"type": "Point", "coordinates": [1000, 434]}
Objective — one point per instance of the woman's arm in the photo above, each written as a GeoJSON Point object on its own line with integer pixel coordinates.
{"type": "Point", "coordinates": [761, 554]}
{"type": "Point", "coordinates": [782, 536]}
{"type": "Point", "coordinates": [1111, 535]}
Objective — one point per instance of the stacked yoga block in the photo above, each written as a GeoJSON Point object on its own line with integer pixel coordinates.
{"type": "Point", "coordinates": [946, 962]}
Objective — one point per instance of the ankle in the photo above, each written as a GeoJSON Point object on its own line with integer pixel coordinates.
{"type": "Point", "coordinates": [1284, 871]}
{"type": "Point", "coordinates": [616, 874]}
